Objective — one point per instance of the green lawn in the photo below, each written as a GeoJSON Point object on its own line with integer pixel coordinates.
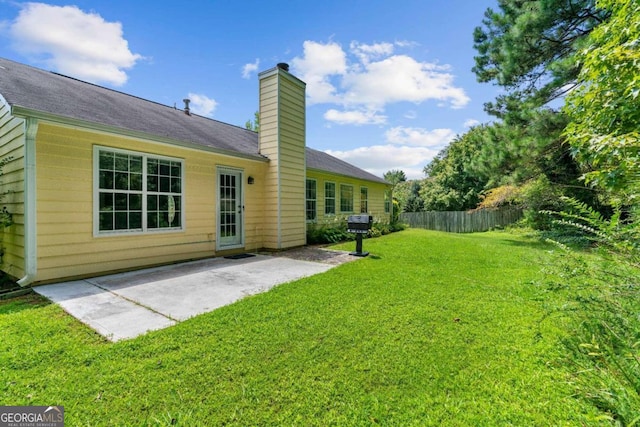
{"type": "Point", "coordinates": [431, 329]}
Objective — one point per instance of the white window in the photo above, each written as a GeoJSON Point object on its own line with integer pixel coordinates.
{"type": "Point", "coordinates": [136, 192]}
{"type": "Point", "coordinates": [346, 198]}
{"type": "Point", "coordinates": [311, 199]}
{"type": "Point", "coordinates": [387, 202]}
{"type": "Point", "coordinates": [364, 200]}
{"type": "Point", "coordinates": [329, 198]}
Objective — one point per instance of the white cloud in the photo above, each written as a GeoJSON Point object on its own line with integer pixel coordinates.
{"type": "Point", "coordinates": [419, 137]}
{"type": "Point", "coordinates": [372, 76]}
{"type": "Point", "coordinates": [379, 159]}
{"type": "Point", "coordinates": [202, 104]}
{"type": "Point", "coordinates": [73, 42]}
{"type": "Point", "coordinates": [367, 52]}
{"type": "Point", "coordinates": [471, 122]}
{"type": "Point", "coordinates": [354, 117]}
{"type": "Point", "coordinates": [319, 63]}
{"type": "Point", "coordinates": [248, 69]}
{"type": "Point", "coordinates": [401, 78]}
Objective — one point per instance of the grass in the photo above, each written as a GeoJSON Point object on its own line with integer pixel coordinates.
{"type": "Point", "coordinates": [431, 329]}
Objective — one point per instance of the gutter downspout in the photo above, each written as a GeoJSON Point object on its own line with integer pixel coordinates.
{"type": "Point", "coordinates": [30, 221]}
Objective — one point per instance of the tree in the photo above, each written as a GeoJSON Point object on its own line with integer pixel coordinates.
{"type": "Point", "coordinates": [605, 118]}
{"type": "Point", "coordinates": [255, 124]}
{"type": "Point", "coordinates": [414, 202]}
{"type": "Point", "coordinates": [528, 47]}
{"type": "Point", "coordinates": [394, 177]}
{"type": "Point", "coordinates": [451, 185]}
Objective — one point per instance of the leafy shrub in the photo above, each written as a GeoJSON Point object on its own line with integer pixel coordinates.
{"type": "Point", "coordinates": [604, 346]}
{"type": "Point", "coordinates": [497, 197]}
{"type": "Point", "coordinates": [327, 233]}
{"type": "Point", "coordinates": [335, 230]}
{"type": "Point", "coordinates": [397, 226]}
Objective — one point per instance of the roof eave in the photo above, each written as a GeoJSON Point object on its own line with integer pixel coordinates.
{"type": "Point", "coordinates": [23, 112]}
{"type": "Point", "coordinates": [378, 181]}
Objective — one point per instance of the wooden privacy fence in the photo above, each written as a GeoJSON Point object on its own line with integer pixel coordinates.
{"type": "Point", "coordinates": [462, 221]}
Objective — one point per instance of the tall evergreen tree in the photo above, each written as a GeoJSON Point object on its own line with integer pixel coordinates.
{"type": "Point", "coordinates": [529, 46]}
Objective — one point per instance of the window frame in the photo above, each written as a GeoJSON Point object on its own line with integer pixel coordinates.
{"type": "Point", "coordinates": [387, 202]}
{"type": "Point", "coordinates": [144, 192]}
{"type": "Point", "coordinates": [329, 201]}
{"type": "Point", "coordinates": [342, 188]}
{"type": "Point", "coordinates": [313, 200]}
{"type": "Point", "coordinates": [364, 203]}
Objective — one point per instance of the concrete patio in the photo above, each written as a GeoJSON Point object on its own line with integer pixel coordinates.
{"type": "Point", "coordinates": [126, 305]}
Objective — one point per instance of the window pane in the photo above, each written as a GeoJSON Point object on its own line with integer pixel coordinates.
{"type": "Point", "coordinates": [164, 184]}
{"type": "Point", "coordinates": [163, 203]}
{"type": "Point", "coordinates": [152, 220]}
{"type": "Point", "coordinates": [135, 202]}
{"type": "Point", "coordinates": [135, 219]}
{"type": "Point", "coordinates": [165, 168]}
{"type": "Point", "coordinates": [136, 182]}
{"type": "Point", "coordinates": [106, 180]}
{"type": "Point", "coordinates": [121, 202]}
{"type": "Point", "coordinates": [106, 160]}
{"type": "Point", "coordinates": [152, 166]}
{"type": "Point", "coordinates": [122, 162]}
{"type": "Point", "coordinates": [152, 203]}
{"type": "Point", "coordinates": [152, 183]}
{"type": "Point", "coordinates": [121, 181]}
{"type": "Point", "coordinates": [177, 220]}
{"type": "Point", "coordinates": [122, 220]}
{"type": "Point", "coordinates": [176, 185]}
{"type": "Point", "coordinates": [106, 202]}
{"type": "Point", "coordinates": [106, 221]}
{"type": "Point", "coordinates": [135, 164]}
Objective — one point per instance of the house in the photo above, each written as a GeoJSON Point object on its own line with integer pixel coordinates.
{"type": "Point", "coordinates": [101, 181]}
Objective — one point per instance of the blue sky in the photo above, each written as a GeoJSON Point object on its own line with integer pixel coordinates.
{"type": "Point", "coordinates": [389, 83]}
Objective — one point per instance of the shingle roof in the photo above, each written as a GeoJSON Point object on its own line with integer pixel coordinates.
{"type": "Point", "coordinates": [36, 90]}
{"type": "Point", "coordinates": [325, 162]}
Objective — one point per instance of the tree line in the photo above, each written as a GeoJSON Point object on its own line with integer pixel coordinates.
{"type": "Point", "coordinates": [567, 125]}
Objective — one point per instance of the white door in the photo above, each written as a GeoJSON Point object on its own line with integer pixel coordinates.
{"type": "Point", "coordinates": [230, 209]}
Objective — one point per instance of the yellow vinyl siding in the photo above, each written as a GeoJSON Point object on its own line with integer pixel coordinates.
{"type": "Point", "coordinates": [268, 139]}
{"type": "Point", "coordinates": [292, 163]}
{"type": "Point", "coordinates": [375, 200]}
{"type": "Point", "coordinates": [66, 244]}
{"type": "Point", "coordinates": [282, 140]}
{"type": "Point", "coordinates": [12, 140]}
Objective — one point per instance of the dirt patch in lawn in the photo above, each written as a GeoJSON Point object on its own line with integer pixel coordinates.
{"type": "Point", "coordinates": [317, 254]}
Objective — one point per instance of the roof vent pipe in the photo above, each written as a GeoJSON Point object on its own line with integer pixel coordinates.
{"type": "Point", "coordinates": [283, 66]}
{"type": "Point", "coordinates": [187, 110]}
